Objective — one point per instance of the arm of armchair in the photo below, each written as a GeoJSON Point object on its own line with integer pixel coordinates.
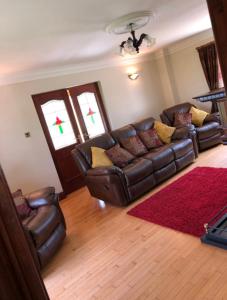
{"type": "Point", "coordinates": [105, 171]}
{"type": "Point", "coordinates": [41, 197]}
{"type": "Point", "coordinates": [214, 117]}
{"type": "Point", "coordinates": [108, 184]}
{"type": "Point", "coordinates": [183, 132]}
{"type": "Point", "coordinates": [188, 131]}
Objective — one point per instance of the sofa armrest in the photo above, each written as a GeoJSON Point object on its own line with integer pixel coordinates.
{"type": "Point", "coordinates": [188, 131]}
{"type": "Point", "coordinates": [104, 171]}
{"type": "Point", "coordinates": [183, 132]}
{"type": "Point", "coordinates": [108, 184]}
{"type": "Point", "coordinates": [214, 117]}
{"type": "Point", "coordinates": [41, 197]}
{"type": "Point", "coordinates": [180, 133]}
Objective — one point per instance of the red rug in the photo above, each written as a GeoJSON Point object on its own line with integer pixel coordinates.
{"type": "Point", "coordinates": [188, 203]}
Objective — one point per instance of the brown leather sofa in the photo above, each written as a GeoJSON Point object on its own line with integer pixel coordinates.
{"type": "Point", "coordinates": [207, 135]}
{"type": "Point", "coordinates": [45, 227]}
{"type": "Point", "coordinates": [122, 186]}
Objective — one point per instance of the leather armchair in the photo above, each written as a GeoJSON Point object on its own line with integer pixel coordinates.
{"type": "Point", "coordinates": [121, 186]}
{"type": "Point", "coordinates": [45, 227]}
{"type": "Point", "coordinates": [203, 137]}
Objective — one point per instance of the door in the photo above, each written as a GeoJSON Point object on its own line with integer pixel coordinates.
{"type": "Point", "coordinates": [62, 135]}
{"type": "Point", "coordinates": [69, 117]}
{"type": "Point", "coordinates": [90, 110]}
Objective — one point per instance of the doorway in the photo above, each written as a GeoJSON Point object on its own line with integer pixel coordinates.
{"type": "Point", "coordinates": [69, 117]}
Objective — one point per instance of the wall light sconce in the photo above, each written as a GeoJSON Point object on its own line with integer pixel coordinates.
{"type": "Point", "coordinates": [133, 76]}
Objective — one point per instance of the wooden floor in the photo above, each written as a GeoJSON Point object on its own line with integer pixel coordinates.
{"type": "Point", "coordinates": [110, 255]}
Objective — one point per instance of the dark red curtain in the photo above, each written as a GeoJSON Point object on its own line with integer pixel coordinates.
{"type": "Point", "coordinates": [209, 60]}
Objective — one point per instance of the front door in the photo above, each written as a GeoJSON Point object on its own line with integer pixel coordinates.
{"type": "Point", "coordinates": [62, 134]}
{"type": "Point", "coordinates": [69, 117]}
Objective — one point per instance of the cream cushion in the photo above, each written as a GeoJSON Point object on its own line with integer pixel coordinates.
{"type": "Point", "coordinates": [99, 158]}
{"type": "Point", "coordinates": [164, 132]}
{"type": "Point", "coordinates": [198, 116]}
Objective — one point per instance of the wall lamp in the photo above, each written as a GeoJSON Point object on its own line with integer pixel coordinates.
{"type": "Point", "coordinates": [133, 76]}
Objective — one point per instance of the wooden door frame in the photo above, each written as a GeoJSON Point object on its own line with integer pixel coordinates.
{"type": "Point", "coordinates": [21, 278]}
{"type": "Point", "coordinates": [43, 98]}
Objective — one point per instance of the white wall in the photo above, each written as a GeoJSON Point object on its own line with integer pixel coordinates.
{"type": "Point", "coordinates": [27, 161]}
{"type": "Point", "coordinates": [185, 78]}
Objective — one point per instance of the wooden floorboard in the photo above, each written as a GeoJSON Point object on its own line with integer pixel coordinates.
{"type": "Point", "coordinates": [113, 256]}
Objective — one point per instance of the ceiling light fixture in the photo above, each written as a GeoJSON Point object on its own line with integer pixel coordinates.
{"type": "Point", "coordinates": [132, 45]}
{"type": "Point", "coordinates": [130, 23]}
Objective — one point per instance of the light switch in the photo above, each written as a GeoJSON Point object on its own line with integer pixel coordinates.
{"type": "Point", "coordinates": [27, 134]}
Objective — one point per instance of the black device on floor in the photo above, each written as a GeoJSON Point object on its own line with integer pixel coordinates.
{"type": "Point", "coordinates": [216, 234]}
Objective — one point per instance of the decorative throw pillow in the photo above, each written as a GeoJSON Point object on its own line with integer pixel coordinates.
{"type": "Point", "coordinates": [198, 116]}
{"type": "Point", "coordinates": [22, 207]}
{"type": "Point", "coordinates": [150, 138]}
{"type": "Point", "coordinates": [164, 132]}
{"type": "Point", "coordinates": [119, 156]}
{"type": "Point", "coordinates": [99, 158]}
{"type": "Point", "coordinates": [134, 145]}
{"type": "Point", "coordinates": [182, 119]}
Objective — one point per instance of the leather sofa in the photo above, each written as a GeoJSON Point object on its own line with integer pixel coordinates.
{"type": "Point", "coordinates": [45, 228]}
{"type": "Point", "coordinates": [122, 186]}
{"type": "Point", "coordinates": [203, 137]}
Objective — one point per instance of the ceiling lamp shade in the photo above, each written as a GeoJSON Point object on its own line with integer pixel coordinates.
{"type": "Point", "coordinates": [130, 23]}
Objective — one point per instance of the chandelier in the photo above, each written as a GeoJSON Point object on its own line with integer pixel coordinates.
{"type": "Point", "coordinates": [129, 24]}
{"type": "Point", "coordinates": [132, 45]}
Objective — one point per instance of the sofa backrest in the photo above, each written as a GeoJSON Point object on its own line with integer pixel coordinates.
{"type": "Point", "coordinates": [167, 115]}
{"type": "Point", "coordinates": [104, 141]}
{"type": "Point", "coordinates": [144, 124]}
{"type": "Point", "coordinates": [123, 132]}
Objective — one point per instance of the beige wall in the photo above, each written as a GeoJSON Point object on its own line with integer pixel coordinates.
{"type": "Point", "coordinates": [27, 161]}
{"type": "Point", "coordinates": [183, 77]}
{"type": "Point", "coordinates": [173, 76]}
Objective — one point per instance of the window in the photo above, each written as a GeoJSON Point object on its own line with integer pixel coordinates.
{"type": "Point", "coordinates": [58, 123]}
{"type": "Point", "coordinates": [91, 114]}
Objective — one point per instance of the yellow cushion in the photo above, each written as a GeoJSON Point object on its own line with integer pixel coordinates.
{"type": "Point", "coordinates": [164, 132]}
{"type": "Point", "coordinates": [99, 158]}
{"type": "Point", "coordinates": [198, 116]}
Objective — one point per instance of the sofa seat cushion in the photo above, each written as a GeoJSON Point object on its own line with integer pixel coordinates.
{"type": "Point", "coordinates": [180, 148]}
{"type": "Point", "coordinates": [43, 224]}
{"type": "Point", "coordinates": [137, 170]}
{"type": "Point", "coordinates": [160, 157]}
{"type": "Point", "coordinates": [207, 130]}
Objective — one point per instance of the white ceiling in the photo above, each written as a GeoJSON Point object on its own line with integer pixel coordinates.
{"type": "Point", "coordinates": [42, 35]}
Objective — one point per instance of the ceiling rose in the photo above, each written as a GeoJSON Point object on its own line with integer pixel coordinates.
{"type": "Point", "coordinates": [121, 25]}
{"type": "Point", "coordinates": [130, 23]}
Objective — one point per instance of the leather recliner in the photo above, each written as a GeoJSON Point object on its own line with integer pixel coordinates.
{"type": "Point", "coordinates": [45, 228]}
{"type": "Point", "coordinates": [122, 186]}
{"type": "Point", "coordinates": [206, 136]}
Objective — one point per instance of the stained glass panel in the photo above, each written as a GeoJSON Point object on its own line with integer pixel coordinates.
{"type": "Point", "coordinates": [91, 114]}
{"type": "Point", "coordinates": [58, 123]}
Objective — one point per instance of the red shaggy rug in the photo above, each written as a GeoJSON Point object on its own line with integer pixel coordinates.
{"type": "Point", "coordinates": [188, 203]}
